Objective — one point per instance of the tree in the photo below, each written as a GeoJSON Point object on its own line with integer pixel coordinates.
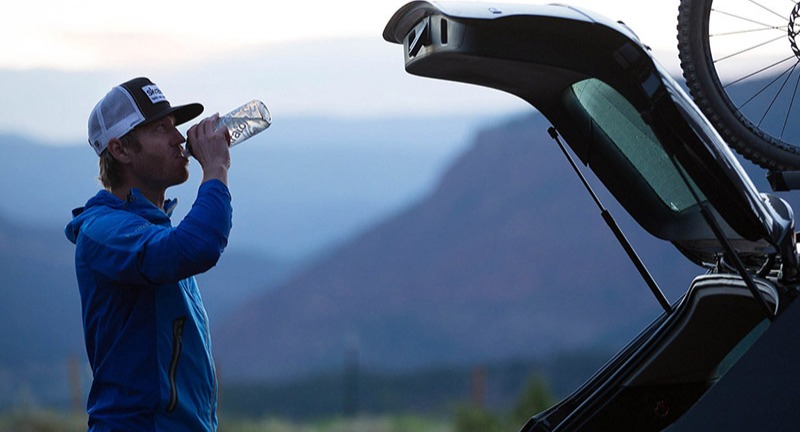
{"type": "Point", "coordinates": [475, 419]}
{"type": "Point", "coordinates": [535, 398]}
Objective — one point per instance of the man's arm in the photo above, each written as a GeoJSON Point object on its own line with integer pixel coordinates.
{"type": "Point", "coordinates": [126, 248]}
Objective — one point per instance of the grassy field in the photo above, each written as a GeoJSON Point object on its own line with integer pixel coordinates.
{"type": "Point", "coordinates": [51, 421]}
{"type": "Point", "coordinates": [463, 418]}
{"type": "Point", "coordinates": [368, 424]}
{"type": "Point", "coordinates": [42, 421]}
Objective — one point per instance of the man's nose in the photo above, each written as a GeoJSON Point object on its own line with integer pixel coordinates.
{"type": "Point", "coordinates": [179, 138]}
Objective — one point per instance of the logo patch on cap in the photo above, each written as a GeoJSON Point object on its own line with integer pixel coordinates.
{"type": "Point", "coordinates": [154, 93]}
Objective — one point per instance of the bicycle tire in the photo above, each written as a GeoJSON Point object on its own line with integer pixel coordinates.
{"type": "Point", "coordinates": [742, 133]}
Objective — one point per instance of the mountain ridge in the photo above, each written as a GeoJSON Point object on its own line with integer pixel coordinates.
{"type": "Point", "coordinates": [505, 256]}
{"type": "Point", "coordinates": [304, 184]}
{"type": "Point", "coordinates": [475, 271]}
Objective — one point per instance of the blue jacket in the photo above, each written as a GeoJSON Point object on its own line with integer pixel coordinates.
{"type": "Point", "coordinates": [145, 326]}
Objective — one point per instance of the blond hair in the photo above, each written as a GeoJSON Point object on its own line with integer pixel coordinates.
{"type": "Point", "coordinates": [110, 175]}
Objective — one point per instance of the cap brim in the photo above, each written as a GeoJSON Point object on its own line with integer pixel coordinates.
{"type": "Point", "coordinates": [182, 113]}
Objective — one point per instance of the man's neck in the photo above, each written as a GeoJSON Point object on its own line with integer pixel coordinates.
{"type": "Point", "coordinates": [155, 197]}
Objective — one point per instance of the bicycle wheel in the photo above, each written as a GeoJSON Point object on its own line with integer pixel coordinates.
{"type": "Point", "coordinates": [741, 62]}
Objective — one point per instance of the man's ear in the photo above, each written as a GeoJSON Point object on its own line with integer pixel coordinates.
{"type": "Point", "coordinates": [121, 152]}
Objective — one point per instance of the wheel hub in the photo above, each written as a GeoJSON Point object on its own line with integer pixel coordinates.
{"type": "Point", "coordinates": [793, 30]}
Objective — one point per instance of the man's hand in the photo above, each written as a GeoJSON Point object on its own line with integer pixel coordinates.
{"type": "Point", "coordinates": [210, 147]}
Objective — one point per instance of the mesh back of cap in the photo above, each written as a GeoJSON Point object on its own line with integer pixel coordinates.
{"type": "Point", "coordinates": [114, 116]}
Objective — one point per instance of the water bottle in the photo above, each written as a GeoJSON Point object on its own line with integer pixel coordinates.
{"type": "Point", "coordinates": [242, 123]}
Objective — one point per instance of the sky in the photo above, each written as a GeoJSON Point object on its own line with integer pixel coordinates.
{"type": "Point", "coordinates": [98, 34]}
{"type": "Point", "coordinates": [311, 62]}
{"type": "Point", "coordinates": [319, 58]}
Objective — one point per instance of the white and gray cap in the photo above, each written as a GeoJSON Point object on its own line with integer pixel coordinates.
{"type": "Point", "coordinates": [131, 104]}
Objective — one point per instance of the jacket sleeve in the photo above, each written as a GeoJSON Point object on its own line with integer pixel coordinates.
{"type": "Point", "coordinates": [132, 250]}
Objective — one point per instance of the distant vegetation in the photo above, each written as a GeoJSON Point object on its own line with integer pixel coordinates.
{"type": "Point", "coordinates": [535, 398]}
{"type": "Point", "coordinates": [491, 398]}
{"type": "Point", "coordinates": [466, 418]}
{"type": "Point", "coordinates": [412, 403]}
{"type": "Point", "coordinates": [517, 389]}
{"type": "Point", "coordinates": [42, 421]}
{"type": "Point", "coordinates": [61, 422]}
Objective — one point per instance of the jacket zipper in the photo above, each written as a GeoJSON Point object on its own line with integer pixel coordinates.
{"type": "Point", "coordinates": [177, 346]}
{"type": "Point", "coordinates": [215, 395]}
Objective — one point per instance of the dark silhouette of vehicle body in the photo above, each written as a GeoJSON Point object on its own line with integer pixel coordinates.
{"type": "Point", "coordinates": [723, 356]}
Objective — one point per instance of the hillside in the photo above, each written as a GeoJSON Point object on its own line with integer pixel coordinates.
{"type": "Point", "coordinates": [506, 258]}
{"type": "Point", "coordinates": [310, 182]}
{"type": "Point", "coordinates": [300, 186]}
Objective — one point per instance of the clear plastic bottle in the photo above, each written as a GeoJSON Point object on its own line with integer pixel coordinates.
{"type": "Point", "coordinates": [243, 122]}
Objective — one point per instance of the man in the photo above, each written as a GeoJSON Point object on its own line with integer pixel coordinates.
{"type": "Point", "coordinates": [145, 325]}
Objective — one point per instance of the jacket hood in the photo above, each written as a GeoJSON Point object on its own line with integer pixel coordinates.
{"type": "Point", "coordinates": [106, 201]}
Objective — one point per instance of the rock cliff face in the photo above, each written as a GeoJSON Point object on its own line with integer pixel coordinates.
{"type": "Point", "coordinates": [507, 257]}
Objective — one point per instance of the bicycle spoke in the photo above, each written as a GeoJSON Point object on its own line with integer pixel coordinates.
{"type": "Point", "coordinates": [767, 86]}
{"type": "Point", "coordinates": [744, 18]}
{"type": "Point", "coordinates": [738, 32]}
{"type": "Point", "coordinates": [778, 93]}
{"type": "Point", "coordinates": [758, 71]}
{"type": "Point", "coordinates": [791, 106]}
{"type": "Point", "coordinates": [750, 49]}
{"type": "Point", "coordinates": [767, 9]}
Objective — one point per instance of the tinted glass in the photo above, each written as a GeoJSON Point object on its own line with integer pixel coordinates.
{"type": "Point", "coordinates": [626, 129]}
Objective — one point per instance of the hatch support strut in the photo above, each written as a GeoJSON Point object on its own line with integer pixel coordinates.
{"type": "Point", "coordinates": [612, 224]}
{"type": "Point", "coordinates": [730, 252]}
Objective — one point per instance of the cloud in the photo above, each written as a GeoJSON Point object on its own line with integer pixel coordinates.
{"type": "Point", "coordinates": [352, 78]}
{"type": "Point", "coordinates": [295, 57]}
{"type": "Point", "coordinates": [103, 35]}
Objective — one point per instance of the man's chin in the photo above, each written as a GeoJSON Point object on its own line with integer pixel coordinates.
{"type": "Point", "coordinates": [181, 179]}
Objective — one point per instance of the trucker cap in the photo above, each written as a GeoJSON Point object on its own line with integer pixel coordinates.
{"type": "Point", "coordinates": [131, 104]}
